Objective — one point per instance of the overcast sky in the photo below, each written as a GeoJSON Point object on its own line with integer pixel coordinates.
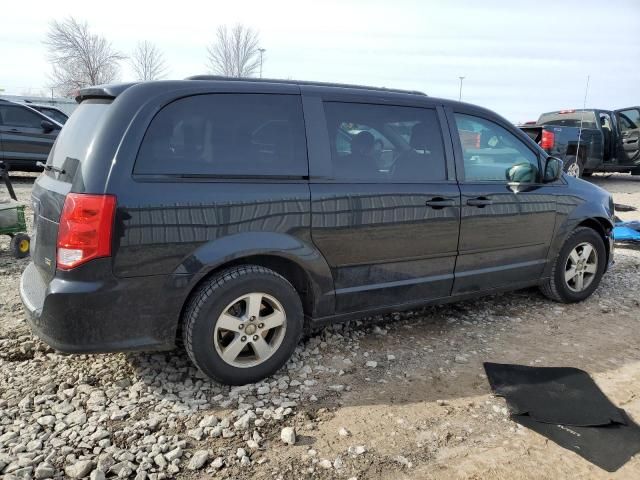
{"type": "Point", "coordinates": [519, 58]}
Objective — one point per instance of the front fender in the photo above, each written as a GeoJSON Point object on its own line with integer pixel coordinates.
{"type": "Point", "coordinates": [574, 211]}
{"type": "Point", "coordinates": [217, 253]}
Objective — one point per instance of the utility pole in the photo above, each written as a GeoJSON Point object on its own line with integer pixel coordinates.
{"type": "Point", "coordinates": [261, 50]}
{"type": "Point", "coordinates": [460, 95]}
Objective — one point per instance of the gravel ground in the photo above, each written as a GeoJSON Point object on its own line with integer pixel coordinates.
{"type": "Point", "coordinates": [396, 396]}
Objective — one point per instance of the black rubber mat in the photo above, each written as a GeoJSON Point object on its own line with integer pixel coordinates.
{"type": "Point", "coordinates": [566, 406]}
{"type": "Point", "coordinates": [568, 396]}
{"type": "Point", "coordinates": [609, 447]}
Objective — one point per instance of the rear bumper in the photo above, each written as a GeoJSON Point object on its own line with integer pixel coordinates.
{"type": "Point", "coordinates": [105, 315]}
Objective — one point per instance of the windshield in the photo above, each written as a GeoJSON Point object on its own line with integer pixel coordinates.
{"type": "Point", "coordinates": [76, 137]}
{"type": "Point", "coordinates": [569, 119]}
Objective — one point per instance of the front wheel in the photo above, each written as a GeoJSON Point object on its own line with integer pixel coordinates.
{"type": "Point", "coordinates": [243, 325]}
{"type": "Point", "coordinates": [578, 268]}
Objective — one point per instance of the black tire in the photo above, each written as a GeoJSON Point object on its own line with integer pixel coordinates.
{"type": "Point", "coordinates": [207, 304]}
{"type": "Point", "coordinates": [573, 166]}
{"type": "Point", "coordinates": [555, 287]}
{"type": "Point", "coordinates": [19, 245]}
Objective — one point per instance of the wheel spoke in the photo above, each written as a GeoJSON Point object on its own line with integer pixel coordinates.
{"type": "Point", "coordinates": [570, 274]}
{"type": "Point", "coordinates": [276, 319]}
{"type": "Point", "coordinates": [574, 256]}
{"type": "Point", "coordinates": [254, 302]}
{"type": "Point", "coordinates": [232, 350]}
{"type": "Point", "coordinates": [261, 348]}
{"type": "Point", "coordinates": [586, 252]}
{"type": "Point", "coordinates": [229, 322]}
{"type": "Point", "coordinates": [579, 281]}
{"type": "Point", "coordinates": [591, 268]}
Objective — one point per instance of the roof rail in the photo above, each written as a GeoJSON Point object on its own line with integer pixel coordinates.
{"type": "Point", "coordinates": [302, 82]}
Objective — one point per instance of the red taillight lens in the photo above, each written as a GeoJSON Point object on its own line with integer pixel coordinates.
{"type": "Point", "coordinates": [85, 229]}
{"type": "Point", "coordinates": [548, 139]}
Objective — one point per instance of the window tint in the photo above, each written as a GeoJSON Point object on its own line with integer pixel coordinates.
{"type": "Point", "coordinates": [76, 138]}
{"type": "Point", "coordinates": [227, 134]}
{"type": "Point", "coordinates": [569, 118]}
{"type": "Point", "coordinates": [491, 153]}
{"type": "Point", "coordinates": [57, 115]}
{"type": "Point", "coordinates": [629, 119]}
{"type": "Point", "coordinates": [19, 117]}
{"type": "Point", "coordinates": [382, 143]}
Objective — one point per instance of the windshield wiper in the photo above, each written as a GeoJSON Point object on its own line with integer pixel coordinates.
{"type": "Point", "coordinates": [49, 168]}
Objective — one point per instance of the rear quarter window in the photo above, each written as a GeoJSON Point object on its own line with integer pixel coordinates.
{"type": "Point", "coordinates": [226, 135]}
{"type": "Point", "coordinates": [74, 142]}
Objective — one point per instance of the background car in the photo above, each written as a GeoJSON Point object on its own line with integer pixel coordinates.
{"type": "Point", "coordinates": [51, 112]}
{"type": "Point", "coordinates": [26, 136]}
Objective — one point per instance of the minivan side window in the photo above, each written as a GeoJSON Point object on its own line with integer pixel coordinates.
{"type": "Point", "coordinates": [492, 153]}
{"type": "Point", "coordinates": [15, 116]}
{"type": "Point", "coordinates": [384, 143]}
{"type": "Point", "coordinates": [227, 135]}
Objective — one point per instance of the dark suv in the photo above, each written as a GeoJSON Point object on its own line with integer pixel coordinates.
{"type": "Point", "coordinates": [26, 136]}
{"type": "Point", "coordinates": [232, 212]}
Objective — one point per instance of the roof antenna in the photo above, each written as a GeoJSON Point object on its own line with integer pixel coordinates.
{"type": "Point", "coordinates": [584, 106]}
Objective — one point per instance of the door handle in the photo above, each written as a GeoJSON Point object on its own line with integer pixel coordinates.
{"type": "Point", "coordinates": [439, 203]}
{"type": "Point", "coordinates": [479, 202]}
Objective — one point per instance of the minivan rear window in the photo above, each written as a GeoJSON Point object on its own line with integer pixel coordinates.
{"type": "Point", "coordinates": [222, 134]}
{"type": "Point", "coordinates": [75, 139]}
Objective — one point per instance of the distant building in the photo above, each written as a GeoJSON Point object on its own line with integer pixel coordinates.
{"type": "Point", "coordinates": [67, 105]}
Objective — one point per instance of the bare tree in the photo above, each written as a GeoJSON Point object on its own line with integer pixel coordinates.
{"type": "Point", "coordinates": [148, 62]}
{"type": "Point", "coordinates": [235, 52]}
{"type": "Point", "coordinates": [79, 58]}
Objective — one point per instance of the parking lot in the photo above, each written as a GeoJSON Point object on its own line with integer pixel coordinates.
{"type": "Point", "coordinates": [399, 396]}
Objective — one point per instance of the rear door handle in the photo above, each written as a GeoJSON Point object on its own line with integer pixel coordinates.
{"type": "Point", "coordinates": [438, 203]}
{"type": "Point", "coordinates": [479, 202]}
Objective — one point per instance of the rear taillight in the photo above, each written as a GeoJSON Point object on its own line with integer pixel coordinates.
{"type": "Point", "coordinates": [85, 229]}
{"type": "Point", "coordinates": [548, 139]}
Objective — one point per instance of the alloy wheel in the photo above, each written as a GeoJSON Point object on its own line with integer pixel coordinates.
{"type": "Point", "coordinates": [250, 330]}
{"type": "Point", "coordinates": [573, 170]}
{"type": "Point", "coordinates": [581, 267]}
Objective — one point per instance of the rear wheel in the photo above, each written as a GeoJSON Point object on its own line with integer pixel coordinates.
{"type": "Point", "coordinates": [243, 325]}
{"type": "Point", "coordinates": [578, 268]}
{"type": "Point", "coordinates": [20, 244]}
{"type": "Point", "coordinates": [574, 167]}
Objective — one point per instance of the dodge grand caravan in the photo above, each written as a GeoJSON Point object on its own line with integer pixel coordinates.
{"type": "Point", "coordinates": [233, 212]}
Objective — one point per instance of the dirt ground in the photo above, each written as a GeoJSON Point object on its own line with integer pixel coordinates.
{"type": "Point", "coordinates": [426, 410]}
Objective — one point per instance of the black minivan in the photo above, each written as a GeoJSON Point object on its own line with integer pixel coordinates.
{"type": "Point", "coordinates": [234, 212]}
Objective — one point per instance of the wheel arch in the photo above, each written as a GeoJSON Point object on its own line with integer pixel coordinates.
{"type": "Point", "coordinates": [604, 229]}
{"type": "Point", "coordinates": [302, 265]}
{"type": "Point", "coordinates": [599, 224]}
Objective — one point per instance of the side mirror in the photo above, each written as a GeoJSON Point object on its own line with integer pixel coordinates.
{"type": "Point", "coordinates": [522, 173]}
{"type": "Point", "coordinates": [47, 126]}
{"type": "Point", "coordinates": [552, 170]}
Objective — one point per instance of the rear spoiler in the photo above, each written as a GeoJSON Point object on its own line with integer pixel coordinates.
{"type": "Point", "coordinates": [102, 91]}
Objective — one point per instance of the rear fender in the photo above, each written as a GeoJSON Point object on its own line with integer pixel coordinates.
{"type": "Point", "coordinates": [233, 248]}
